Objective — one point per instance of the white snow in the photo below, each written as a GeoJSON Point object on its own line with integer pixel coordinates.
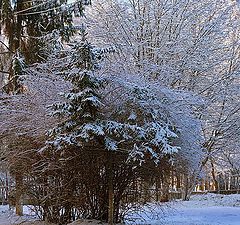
{"type": "Point", "coordinates": [8, 217]}
{"type": "Point", "coordinates": [206, 209]}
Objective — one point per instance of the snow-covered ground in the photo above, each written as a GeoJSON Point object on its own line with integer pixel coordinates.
{"type": "Point", "coordinates": [8, 217]}
{"type": "Point", "coordinates": [207, 209]}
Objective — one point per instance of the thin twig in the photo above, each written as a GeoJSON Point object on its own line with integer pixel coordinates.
{"type": "Point", "coordinates": [6, 46]}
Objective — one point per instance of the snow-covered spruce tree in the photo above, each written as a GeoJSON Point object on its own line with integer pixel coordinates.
{"type": "Point", "coordinates": [108, 137]}
{"type": "Point", "coordinates": [83, 103]}
{"type": "Point", "coordinates": [78, 113]}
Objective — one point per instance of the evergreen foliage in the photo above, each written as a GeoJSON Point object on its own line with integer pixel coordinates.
{"type": "Point", "coordinates": [126, 120]}
{"type": "Point", "coordinates": [28, 24]}
{"type": "Point", "coordinates": [140, 132]}
{"type": "Point", "coordinates": [129, 133]}
{"type": "Point", "coordinates": [83, 103]}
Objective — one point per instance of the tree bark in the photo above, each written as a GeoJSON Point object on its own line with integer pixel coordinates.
{"type": "Point", "coordinates": [19, 187]}
{"type": "Point", "coordinates": [110, 192]}
{"type": "Point", "coordinates": [215, 182]}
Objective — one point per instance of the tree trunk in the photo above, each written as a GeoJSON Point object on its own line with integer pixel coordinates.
{"type": "Point", "coordinates": [165, 189]}
{"type": "Point", "coordinates": [178, 182]}
{"type": "Point", "coordinates": [14, 45]}
{"type": "Point", "coordinates": [110, 191]}
{"type": "Point", "coordinates": [157, 189]}
{"type": "Point", "coordinates": [215, 182]}
{"type": "Point", "coordinates": [19, 187]}
{"type": "Point", "coordinates": [146, 194]}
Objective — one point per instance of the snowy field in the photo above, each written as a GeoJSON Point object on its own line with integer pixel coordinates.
{"type": "Point", "coordinates": [209, 209]}
{"type": "Point", "coordinates": [8, 217]}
